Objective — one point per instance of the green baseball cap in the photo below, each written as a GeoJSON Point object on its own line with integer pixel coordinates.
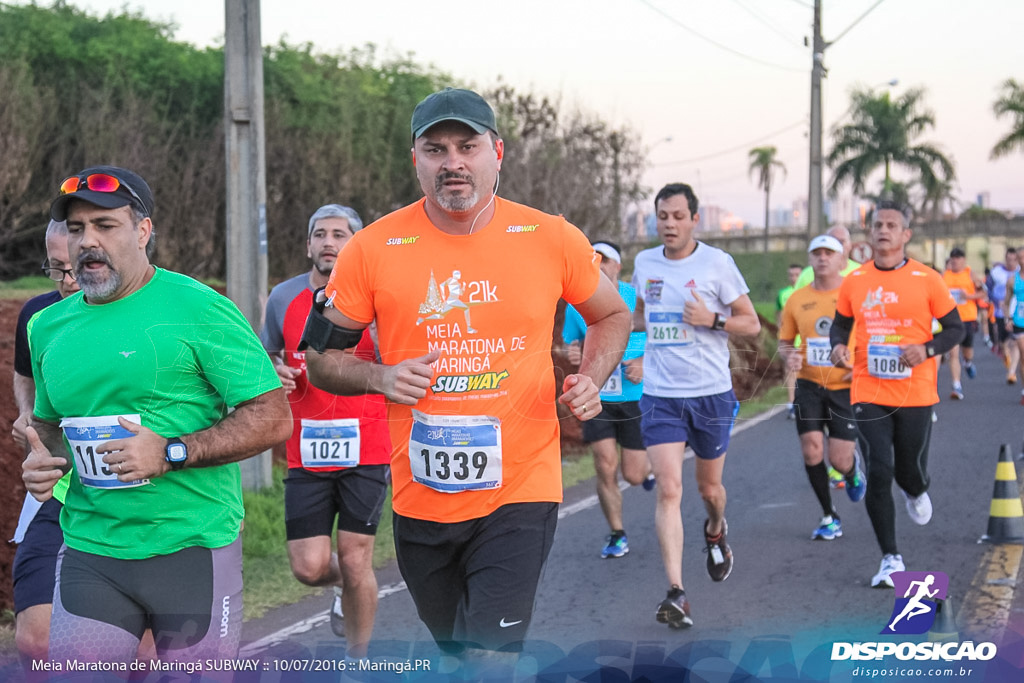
{"type": "Point", "coordinates": [453, 104]}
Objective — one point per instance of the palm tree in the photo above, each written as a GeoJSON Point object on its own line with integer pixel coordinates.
{"type": "Point", "coordinates": [937, 194]}
{"type": "Point", "coordinates": [764, 163]}
{"type": "Point", "coordinates": [882, 134]}
{"type": "Point", "coordinates": [1010, 102]}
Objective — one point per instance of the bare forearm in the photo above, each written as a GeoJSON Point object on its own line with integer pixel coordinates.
{"type": "Point", "coordinates": [253, 427]}
{"type": "Point", "coordinates": [604, 345]}
{"type": "Point", "coordinates": [743, 325]}
{"type": "Point", "coordinates": [342, 374]}
{"type": "Point", "coordinates": [24, 394]}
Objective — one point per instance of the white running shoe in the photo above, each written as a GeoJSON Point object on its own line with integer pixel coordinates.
{"type": "Point", "coordinates": [890, 564]}
{"type": "Point", "coordinates": [920, 508]}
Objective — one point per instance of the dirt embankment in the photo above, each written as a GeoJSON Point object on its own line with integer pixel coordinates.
{"type": "Point", "coordinates": [12, 490]}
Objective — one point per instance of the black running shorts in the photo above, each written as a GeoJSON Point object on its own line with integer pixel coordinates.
{"type": "Point", "coordinates": [355, 496]}
{"type": "Point", "coordinates": [818, 408]}
{"type": "Point", "coordinates": [474, 582]}
{"type": "Point", "coordinates": [190, 599]}
{"type": "Point", "coordinates": [620, 421]}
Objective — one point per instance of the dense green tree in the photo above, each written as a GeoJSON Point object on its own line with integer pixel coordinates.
{"type": "Point", "coordinates": [568, 162]}
{"type": "Point", "coordinates": [1010, 103]}
{"type": "Point", "coordinates": [883, 134]}
{"type": "Point", "coordinates": [80, 90]}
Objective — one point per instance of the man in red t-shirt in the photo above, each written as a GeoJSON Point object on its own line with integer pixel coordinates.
{"type": "Point", "coordinates": [338, 451]}
{"type": "Point", "coordinates": [463, 286]}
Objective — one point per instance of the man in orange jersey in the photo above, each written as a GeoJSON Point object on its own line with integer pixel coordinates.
{"type": "Point", "coordinates": [892, 300]}
{"type": "Point", "coordinates": [822, 389]}
{"type": "Point", "coordinates": [476, 464]}
{"type": "Point", "coordinates": [967, 290]}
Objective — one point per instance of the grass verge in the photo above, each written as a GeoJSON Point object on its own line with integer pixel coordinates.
{"type": "Point", "coordinates": [268, 578]}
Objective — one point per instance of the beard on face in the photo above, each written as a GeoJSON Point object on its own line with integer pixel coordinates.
{"type": "Point", "coordinates": [97, 286]}
{"type": "Point", "coordinates": [323, 266]}
{"type": "Point", "coordinates": [455, 204]}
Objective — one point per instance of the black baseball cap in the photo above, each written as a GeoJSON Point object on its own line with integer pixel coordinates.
{"type": "Point", "coordinates": [957, 252]}
{"type": "Point", "coordinates": [96, 185]}
{"type": "Point", "coordinates": [453, 104]}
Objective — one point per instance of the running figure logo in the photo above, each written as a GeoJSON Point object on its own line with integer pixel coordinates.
{"type": "Point", "coordinates": [443, 299]}
{"type": "Point", "coordinates": [914, 613]}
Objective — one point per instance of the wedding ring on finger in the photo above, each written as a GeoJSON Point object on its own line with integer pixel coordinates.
{"type": "Point", "coordinates": [120, 467]}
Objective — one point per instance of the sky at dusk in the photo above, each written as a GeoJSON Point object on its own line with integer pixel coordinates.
{"type": "Point", "coordinates": [718, 77]}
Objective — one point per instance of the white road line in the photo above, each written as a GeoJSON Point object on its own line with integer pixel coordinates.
{"type": "Point", "coordinates": [306, 625]}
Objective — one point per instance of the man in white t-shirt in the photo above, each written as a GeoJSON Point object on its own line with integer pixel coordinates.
{"type": "Point", "coordinates": [1001, 274]}
{"type": "Point", "coordinates": [690, 297]}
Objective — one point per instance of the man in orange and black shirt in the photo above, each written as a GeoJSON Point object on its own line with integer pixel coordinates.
{"type": "Point", "coordinates": [967, 291]}
{"type": "Point", "coordinates": [822, 389]}
{"type": "Point", "coordinates": [892, 301]}
{"type": "Point", "coordinates": [475, 462]}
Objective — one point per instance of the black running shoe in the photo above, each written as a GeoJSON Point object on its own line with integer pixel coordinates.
{"type": "Point", "coordinates": [674, 610]}
{"type": "Point", "coordinates": [719, 553]}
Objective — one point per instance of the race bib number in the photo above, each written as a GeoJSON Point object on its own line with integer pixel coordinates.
{"type": "Point", "coordinates": [1020, 312]}
{"type": "Point", "coordinates": [819, 352]}
{"type": "Point", "coordinates": [613, 386]}
{"type": "Point", "coordinates": [330, 443]}
{"type": "Point", "coordinates": [665, 327]}
{"type": "Point", "coordinates": [884, 362]}
{"type": "Point", "coordinates": [85, 435]}
{"type": "Point", "coordinates": [455, 453]}
{"type": "Point", "coordinates": [959, 295]}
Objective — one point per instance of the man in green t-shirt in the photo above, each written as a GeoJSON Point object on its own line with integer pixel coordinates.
{"type": "Point", "coordinates": [135, 377]}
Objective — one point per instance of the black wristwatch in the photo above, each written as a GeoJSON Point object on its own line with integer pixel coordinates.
{"type": "Point", "coordinates": [719, 323]}
{"type": "Point", "coordinates": [176, 453]}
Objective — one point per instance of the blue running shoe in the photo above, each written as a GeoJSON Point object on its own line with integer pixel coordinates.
{"type": "Point", "coordinates": [856, 486]}
{"type": "Point", "coordinates": [829, 529]}
{"type": "Point", "coordinates": [617, 545]}
{"type": "Point", "coordinates": [650, 482]}
{"type": "Point", "coordinates": [835, 478]}
{"type": "Point", "coordinates": [971, 371]}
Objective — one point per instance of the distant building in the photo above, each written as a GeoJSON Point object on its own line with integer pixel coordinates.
{"type": "Point", "coordinates": [710, 218]}
{"type": "Point", "coordinates": [781, 218]}
{"type": "Point", "coordinates": [984, 200]}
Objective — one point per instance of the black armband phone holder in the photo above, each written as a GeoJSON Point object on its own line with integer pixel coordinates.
{"type": "Point", "coordinates": [321, 334]}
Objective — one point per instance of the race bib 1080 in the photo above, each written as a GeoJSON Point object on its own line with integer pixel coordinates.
{"type": "Point", "coordinates": [885, 362]}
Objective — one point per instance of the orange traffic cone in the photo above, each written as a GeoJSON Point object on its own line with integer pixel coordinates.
{"type": "Point", "coordinates": [1006, 515]}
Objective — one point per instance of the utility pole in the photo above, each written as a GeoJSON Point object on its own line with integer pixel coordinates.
{"type": "Point", "coordinates": [246, 181]}
{"type": "Point", "coordinates": [815, 201]}
{"type": "Point", "coordinates": [615, 140]}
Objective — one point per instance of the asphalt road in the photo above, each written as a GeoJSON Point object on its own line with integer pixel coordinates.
{"type": "Point", "coordinates": [785, 604]}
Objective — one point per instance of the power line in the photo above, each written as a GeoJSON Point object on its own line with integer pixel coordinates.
{"type": "Point", "coordinates": [720, 45]}
{"type": "Point", "coordinates": [856, 21]}
{"type": "Point", "coordinates": [790, 40]}
{"type": "Point", "coordinates": [723, 152]}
